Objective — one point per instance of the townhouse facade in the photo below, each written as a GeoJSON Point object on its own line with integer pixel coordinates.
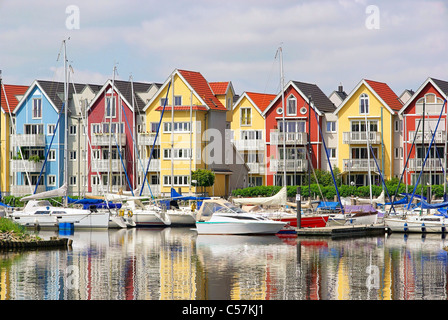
{"type": "Point", "coordinates": [249, 140]}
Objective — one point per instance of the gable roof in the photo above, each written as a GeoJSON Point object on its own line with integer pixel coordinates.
{"type": "Point", "coordinates": [259, 100]}
{"type": "Point", "coordinates": [440, 85]}
{"type": "Point", "coordinates": [200, 87]}
{"type": "Point", "coordinates": [9, 95]}
{"type": "Point", "coordinates": [321, 102]}
{"type": "Point", "coordinates": [381, 91]}
{"type": "Point", "coordinates": [219, 88]}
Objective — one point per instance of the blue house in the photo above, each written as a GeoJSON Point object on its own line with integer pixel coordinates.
{"type": "Point", "coordinates": [39, 132]}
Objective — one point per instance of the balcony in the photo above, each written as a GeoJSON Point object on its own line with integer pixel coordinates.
{"type": "Point", "coordinates": [26, 189]}
{"type": "Point", "coordinates": [440, 136]}
{"type": "Point", "coordinates": [147, 139]}
{"type": "Point", "coordinates": [360, 137]}
{"type": "Point", "coordinates": [153, 166]}
{"type": "Point", "coordinates": [102, 165]}
{"type": "Point", "coordinates": [300, 165]}
{"type": "Point", "coordinates": [26, 166]}
{"type": "Point", "coordinates": [249, 145]}
{"type": "Point", "coordinates": [295, 138]}
{"type": "Point", "coordinates": [256, 168]}
{"type": "Point", "coordinates": [28, 140]}
{"type": "Point", "coordinates": [359, 165]}
{"type": "Point", "coordinates": [104, 139]}
{"type": "Point", "coordinates": [430, 164]}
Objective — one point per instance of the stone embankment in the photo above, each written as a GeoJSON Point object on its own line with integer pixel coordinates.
{"type": "Point", "coordinates": [9, 240]}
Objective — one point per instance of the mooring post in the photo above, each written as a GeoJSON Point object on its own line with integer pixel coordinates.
{"type": "Point", "coordinates": [299, 207]}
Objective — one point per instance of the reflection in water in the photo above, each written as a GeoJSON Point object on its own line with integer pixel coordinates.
{"type": "Point", "coordinates": [178, 264]}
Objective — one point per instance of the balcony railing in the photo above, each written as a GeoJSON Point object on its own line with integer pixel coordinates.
{"type": "Point", "coordinates": [289, 138]}
{"type": "Point", "coordinates": [360, 137]}
{"type": "Point", "coordinates": [250, 145]}
{"type": "Point", "coordinates": [105, 165]}
{"type": "Point", "coordinates": [430, 164]}
{"type": "Point", "coordinates": [439, 137]}
{"type": "Point", "coordinates": [28, 140]}
{"type": "Point", "coordinates": [256, 168]}
{"type": "Point", "coordinates": [359, 165]}
{"type": "Point", "coordinates": [153, 166]}
{"type": "Point", "coordinates": [300, 165]}
{"type": "Point", "coordinates": [147, 139]}
{"type": "Point", "coordinates": [21, 190]}
{"type": "Point", "coordinates": [104, 139]}
{"type": "Point", "coordinates": [26, 165]}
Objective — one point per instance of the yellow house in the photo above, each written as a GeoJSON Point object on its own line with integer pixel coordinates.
{"type": "Point", "coordinates": [10, 97]}
{"type": "Point", "coordinates": [191, 137]}
{"type": "Point", "coordinates": [249, 129]}
{"type": "Point", "coordinates": [365, 122]}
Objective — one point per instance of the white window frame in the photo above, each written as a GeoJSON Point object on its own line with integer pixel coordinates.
{"type": "Point", "coordinates": [51, 128]}
{"type": "Point", "coordinates": [179, 180]}
{"type": "Point", "coordinates": [52, 155]}
{"type": "Point", "coordinates": [113, 109]}
{"type": "Point", "coordinates": [364, 103]}
{"type": "Point", "coordinates": [291, 99]}
{"type": "Point", "coordinates": [72, 155]}
{"type": "Point", "coordinates": [36, 109]}
{"type": "Point", "coordinates": [331, 126]}
{"type": "Point", "coordinates": [51, 180]}
{"type": "Point", "coordinates": [248, 121]}
{"type": "Point", "coordinates": [72, 129]}
{"type": "Point", "coordinates": [72, 181]}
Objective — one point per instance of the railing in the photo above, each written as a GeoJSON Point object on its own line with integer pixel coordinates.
{"type": "Point", "coordinates": [289, 138]}
{"type": "Point", "coordinates": [256, 168]}
{"type": "Point", "coordinates": [249, 144]}
{"type": "Point", "coordinates": [28, 140]}
{"type": "Point", "coordinates": [106, 165]}
{"type": "Point", "coordinates": [360, 137]}
{"type": "Point", "coordinates": [104, 139]}
{"type": "Point", "coordinates": [154, 165]}
{"type": "Point", "coordinates": [26, 165]}
{"type": "Point", "coordinates": [21, 190]}
{"type": "Point", "coordinates": [359, 165]}
{"type": "Point", "coordinates": [147, 139]}
{"type": "Point", "coordinates": [430, 164]}
{"type": "Point", "coordinates": [440, 136]}
{"type": "Point", "coordinates": [300, 165]}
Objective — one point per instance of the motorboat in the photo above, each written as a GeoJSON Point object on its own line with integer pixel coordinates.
{"type": "Point", "coordinates": [426, 223]}
{"type": "Point", "coordinates": [218, 216]}
{"type": "Point", "coordinates": [41, 214]}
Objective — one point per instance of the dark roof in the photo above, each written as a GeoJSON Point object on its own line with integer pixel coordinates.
{"type": "Point", "coordinates": [125, 88]}
{"type": "Point", "coordinates": [321, 101]}
{"type": "Point", "coordinates": [341, 94]}
{"type": "Point", "coordinates": [443, 85]}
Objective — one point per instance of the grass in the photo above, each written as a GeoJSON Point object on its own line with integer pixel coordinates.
{"type": "Point", "coordinates": [7, 225]}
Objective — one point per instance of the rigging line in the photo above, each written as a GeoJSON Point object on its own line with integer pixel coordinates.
{"type": "Point", "coordinates": [426, 157]}
{"type": "Point", "coordinates": [122, 163]}
{"type": "Point", "coordinates": [13, 124]}
{"type": "Point", "coordinates": [157, 134]}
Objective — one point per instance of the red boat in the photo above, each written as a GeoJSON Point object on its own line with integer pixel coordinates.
{"type": "Point", "coordinates": [317, 221]}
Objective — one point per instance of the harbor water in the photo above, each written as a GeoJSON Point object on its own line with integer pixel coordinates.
{"type": "Point", "coordinates": [178, 264]}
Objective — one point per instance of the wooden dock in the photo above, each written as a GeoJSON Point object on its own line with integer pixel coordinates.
{"type": "Point", "coordinates": [343, 231]}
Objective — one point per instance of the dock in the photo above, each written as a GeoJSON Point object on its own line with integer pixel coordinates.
{"type": "Point", "coordinates": [343, 231]}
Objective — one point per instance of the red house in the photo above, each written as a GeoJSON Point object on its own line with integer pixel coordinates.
{"type": "Point", "coordinates": [418, 131]}
{"type": "Point", "coordinates": [111, 130]}
{"type": "Point", "coordinates": [290, 136]}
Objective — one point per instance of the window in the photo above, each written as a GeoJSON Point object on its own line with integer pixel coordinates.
{"type": "Point", "coordinates": [331, 126]}
{"type": "Point", "coordinates": [364, 104]}
{"type": "Point", "coordinates": [177, 180]}
{"type": "Point", "coordinates": [332, 153]}
{"type": "Point", "coordinates": [72, 155]}
{"type": "Point", "coordinates": [50, 129]}
{"type": "Point", "coordinates": [72, 130]}
{"type": "Point", "coordinates": [154, 179]}
{"type": "Point", "coordinates": [177, 100]}
{"type": "Point", "coordinates": [72, 180]}
{"type": "Point", "coordinates": [179, 127]}
{"type": "Point", "coordinates": [34, 129]}
{"type": "Point", "coordinates": [95, 180]}
{"type": "Point", "coordinates": [51, 180]}
{"type": "Point", "coordinates": [37, 108]}
{"type": "Point", "coordinates": [398, 153]}
{"type": "Point", "coordinates": [96, 128]}
{"type": "Point", "coordinates": [292, 126]}
{"type": "Point", "coordinates": [246, 116]}
{"type": "Point", "coordinates": [251, 134]}
{"type": "Point", "coordinates": [398, 125]}
{"type": "Point", "coordinates": [111, 108]}
{"type": "Point", "coordinates": [291, 109]}
{"type": "Point", "coordinates": [178, 154]}
{"type": "Point", "coordinates": [360, 126]}
{"type": "Point", "coordinates": [162, 101]}
{"type": "Point", "coordinates": [52, 155]}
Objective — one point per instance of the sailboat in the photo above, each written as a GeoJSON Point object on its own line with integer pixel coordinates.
{"type": "Point", "coordinates": [412, 221]}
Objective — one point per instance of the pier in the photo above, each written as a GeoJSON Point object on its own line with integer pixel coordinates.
{"type": "Point", "coordinates": [343, 231]}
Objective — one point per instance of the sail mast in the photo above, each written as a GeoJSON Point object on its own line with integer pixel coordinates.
{"type": "Point", "coordinates": [66, 123]}
{"type": "Point", "coordinates": [282, 82]}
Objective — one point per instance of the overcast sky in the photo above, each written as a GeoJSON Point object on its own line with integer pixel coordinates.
{"type": "Point", "coordinates": [323, 42]}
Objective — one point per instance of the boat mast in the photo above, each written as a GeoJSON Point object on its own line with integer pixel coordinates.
{"type": "Point", "coordinates": [134, 158]}
{"type": "Point", "coordinates": [368, 150]}
{"type": "Point", "coordinates": [1, 159]}
{"type": "Point", "coordinates": [282, 83]}
{"type": "Point", "coordinates": [66, 124]}
{"type": "Point", "coordinates": [111, 106]}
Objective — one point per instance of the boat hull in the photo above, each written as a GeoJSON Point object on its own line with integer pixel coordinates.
{"type": "Point", "coordinates": [306, 222]}
{"type": "Point", "coordinates": [144, 218]}
{"type": "Point", "coordinates": [417, 225]}
{"type": "Point", "coordinates": [243, 228]}
{"type": "Point", "coordinates": [90, 220]}
{"type": "Point", "coordinates": [181, 219]}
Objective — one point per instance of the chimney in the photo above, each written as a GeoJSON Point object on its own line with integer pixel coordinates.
{"type": "Point", "coordinates": [340, 88]}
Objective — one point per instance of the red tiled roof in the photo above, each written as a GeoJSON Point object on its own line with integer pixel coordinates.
{"type": "Point", "coordinates": [386, 93]}
{"type": "Point", "coordinates": [219, 88]}
{"type": "Point", "coordinates": [182, 108]}
{"type": "Point", "coordinates": [202, 88]}
{"type": "Point", "coordinates": [11, 92]}
{"type": "Point", "coordinates": [262, 100]}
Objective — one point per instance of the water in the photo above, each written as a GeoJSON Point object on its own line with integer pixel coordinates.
{"type": "Point", "coordinates": [178, 264]}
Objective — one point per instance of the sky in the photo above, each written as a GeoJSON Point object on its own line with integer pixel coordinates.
{"type": "Point", "coordinates": [325, 42]}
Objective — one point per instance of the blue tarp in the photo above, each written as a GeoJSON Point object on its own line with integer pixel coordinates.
{"type": "Point", "coordinates": [177, 196]}
{"type": "Point", "coordinates": [329, 205]}
{"type": "Point", "coordinates": [98, 203]}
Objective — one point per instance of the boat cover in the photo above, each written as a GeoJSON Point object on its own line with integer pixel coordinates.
{"type": "Point", "coordinates": [277, 199]}
{"type": "Point", "coordinates": [359, 208]}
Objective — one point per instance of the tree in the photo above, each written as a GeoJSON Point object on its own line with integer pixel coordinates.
{"type": "Point", "coordinates": [202, 178]}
